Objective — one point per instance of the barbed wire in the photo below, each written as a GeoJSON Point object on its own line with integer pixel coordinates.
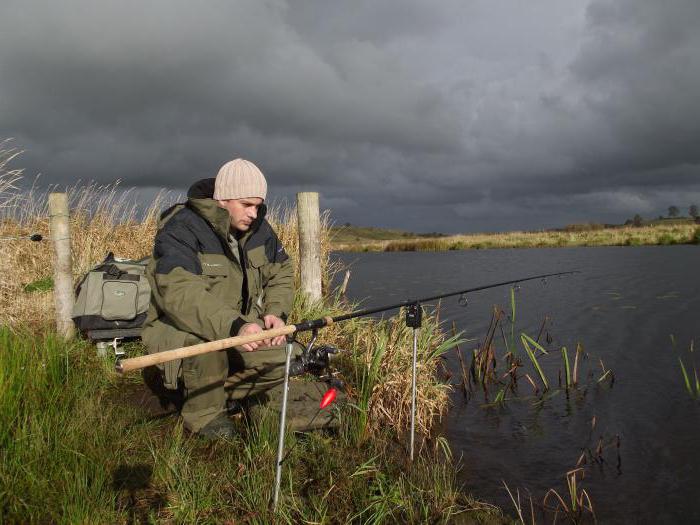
{"type": "Point", "coordinates": [34, 237]}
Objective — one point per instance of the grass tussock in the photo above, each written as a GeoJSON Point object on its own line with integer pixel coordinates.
{"type": "Point", "coordinates": [663, 234]}
{"type": "Point", "coordinates": [77, 443]}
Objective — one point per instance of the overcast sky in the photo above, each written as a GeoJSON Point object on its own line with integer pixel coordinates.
{"type": "Point", "coordinates": [448, 116]}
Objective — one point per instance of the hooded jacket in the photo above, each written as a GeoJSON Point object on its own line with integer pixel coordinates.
{"type": "Point", "coordinates": [200, 289]}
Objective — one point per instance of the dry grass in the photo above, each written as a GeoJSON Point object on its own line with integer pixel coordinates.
{"type": "Point", "coordinates": [284, 221]}
{"type": "Point", "coordinates": [624, 236]}
{"type": "Point", "coordinates": [103, 219]}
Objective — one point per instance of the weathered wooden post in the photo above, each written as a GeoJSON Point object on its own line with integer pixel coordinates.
{"type": "Point", "coordinates": [309, 221]}
{"type": "Point", "coordinates": [63, 275]}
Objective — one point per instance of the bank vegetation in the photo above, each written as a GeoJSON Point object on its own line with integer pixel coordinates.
{"type": "Point", "coordinates": [79, 444]}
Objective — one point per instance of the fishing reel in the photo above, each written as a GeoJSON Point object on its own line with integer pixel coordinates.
{"type": "Point", "coordinates": [314, 359]}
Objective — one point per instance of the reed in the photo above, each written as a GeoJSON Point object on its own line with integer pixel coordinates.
{"type": "Point", "coordinates": [518, 505]}
{"type": "Point", "coordinates": [691, 379]}
{"type": "Point", "coordinates": [692, 392]}
{"type": "Point", "coordinates": [578, 499]}
{"type": "Point", "coordinates": [565, 357]}
{"type": "Point", "coordinates": [486, 357]}
{"type": "Point", "coordinates": [606, 373]}
{"type": "Point", "coordinates": [463, 371]}
{"type": "Point", "coordinates": [512, 320]}
{"type": "Point", "coordinates": [579, 350]}
{"type": "Point", "coordinates": [526, 341]}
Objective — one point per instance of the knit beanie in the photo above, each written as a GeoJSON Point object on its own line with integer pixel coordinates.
{"type": "Point", "coordinates": [240, 179]}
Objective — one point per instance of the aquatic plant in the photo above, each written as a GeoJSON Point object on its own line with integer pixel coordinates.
{"type": "Point", "coordinates": [692, 385]}
{"type": "Point", "coordinates": [578, 500]}
{"type": "Point", "coordinates": [486, 359]}
{"type": "Point", "coordinates": [565, 356]}
{"type": "Point", "coordinates": [518, 505]}
{"type": "Point", "coordinates": [527, 341]}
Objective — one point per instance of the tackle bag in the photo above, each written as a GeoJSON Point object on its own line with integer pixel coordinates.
{"type": "Point", "coordinates": [112, 299]}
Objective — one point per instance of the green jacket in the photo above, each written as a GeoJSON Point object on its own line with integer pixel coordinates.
{"type": "Point", "coordinates": [201, 289]}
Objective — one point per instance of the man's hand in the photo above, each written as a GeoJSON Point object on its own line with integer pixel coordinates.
{"type": "Point", "coordinates": [249, 329]}
{"type": "Point", "coordinates": [272, 321]}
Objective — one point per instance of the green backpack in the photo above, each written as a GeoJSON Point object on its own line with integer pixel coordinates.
{"type": "Point", "coordinates": [112, 299]}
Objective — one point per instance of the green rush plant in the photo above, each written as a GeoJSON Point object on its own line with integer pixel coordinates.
{"type": "Point", "coordinates": [565, 357]}
{"type": "Point", "coordinates": [527, 341]}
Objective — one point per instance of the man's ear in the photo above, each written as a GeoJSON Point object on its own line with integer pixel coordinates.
{"type": "Point", "coordinates": [220, 204]}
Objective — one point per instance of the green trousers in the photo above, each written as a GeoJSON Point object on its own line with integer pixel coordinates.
{"type": "Point", "coordinates": [210, 379]}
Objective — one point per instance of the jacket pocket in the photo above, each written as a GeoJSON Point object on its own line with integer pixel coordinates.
{"type": "Point", "coordinates": [214, 275]}
{"type": "Point", "coordinates": [214, 269]}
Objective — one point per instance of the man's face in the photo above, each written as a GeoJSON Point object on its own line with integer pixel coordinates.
{"type": "Point", "coordinates": [242, 211]}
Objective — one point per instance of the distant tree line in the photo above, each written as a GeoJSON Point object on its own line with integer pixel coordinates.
{"type": "Point", "coordinates": [673, 213]}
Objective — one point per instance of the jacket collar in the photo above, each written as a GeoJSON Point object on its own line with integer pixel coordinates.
{"type": "Point", "coordinates": [218, 218]}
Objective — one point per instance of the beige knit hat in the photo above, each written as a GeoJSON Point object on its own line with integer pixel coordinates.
{"type": "Point", "coordinates": [240, 179]}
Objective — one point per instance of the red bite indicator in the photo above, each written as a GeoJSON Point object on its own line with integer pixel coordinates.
{"type": "Point", "coordinates": [328, 398]}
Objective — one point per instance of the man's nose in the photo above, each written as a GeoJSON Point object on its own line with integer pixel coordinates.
{"type": "Point", "coordinates": [253, 212]}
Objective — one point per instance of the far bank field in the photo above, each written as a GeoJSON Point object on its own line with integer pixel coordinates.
{"type": "Point", "coordinates": [663, 232]}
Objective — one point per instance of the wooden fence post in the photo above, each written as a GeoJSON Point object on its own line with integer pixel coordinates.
{"type": "Point", "coordinates": [63, 275]}
{"type": "Point", "coordinates": [309, 220]}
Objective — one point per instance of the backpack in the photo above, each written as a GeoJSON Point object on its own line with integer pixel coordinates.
{"type": "Point", "coordinates": [112, 299]}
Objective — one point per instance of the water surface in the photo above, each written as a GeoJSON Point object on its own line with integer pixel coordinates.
{"type": "Point", "coordinates": [622, 308]}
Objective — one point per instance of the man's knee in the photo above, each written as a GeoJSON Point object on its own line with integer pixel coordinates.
{"type": "Point", "coordinates": [204, 369]}
{"type": "Point", "coordinates": [265, 360]}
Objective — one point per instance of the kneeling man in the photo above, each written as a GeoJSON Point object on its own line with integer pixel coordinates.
{"type": "Point", "coordinates": [219, 270]}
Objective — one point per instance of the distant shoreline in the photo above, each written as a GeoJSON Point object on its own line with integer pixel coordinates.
{"type": "Point", "coordinates": [663, 234]}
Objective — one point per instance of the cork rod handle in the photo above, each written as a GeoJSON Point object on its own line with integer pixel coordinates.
{"type": "Point", "coordinates": [136, 363]}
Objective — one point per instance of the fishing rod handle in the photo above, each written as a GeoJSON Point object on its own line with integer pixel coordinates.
{"type": "Point", "coordinates": [136, 363]}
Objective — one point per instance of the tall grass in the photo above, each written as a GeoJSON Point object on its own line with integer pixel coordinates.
{"type": "Point", "coordinates": [382, 375]}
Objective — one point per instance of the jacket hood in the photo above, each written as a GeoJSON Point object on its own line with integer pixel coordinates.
{"type": "Point", "coordinates": [202, 189]}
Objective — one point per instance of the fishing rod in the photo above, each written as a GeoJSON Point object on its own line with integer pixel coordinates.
{"type": "Point", "coordinates": [136, 363]}
{"type": "Point", "coordinates": [409, 302]}
{"type": "Point", "coordinates": [413, 320]}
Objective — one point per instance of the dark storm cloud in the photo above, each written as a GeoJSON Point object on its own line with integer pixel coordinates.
{"type": "Point", "coordinates": [450, 116]}
{"type": "Point", "coordinates": [641, 65]}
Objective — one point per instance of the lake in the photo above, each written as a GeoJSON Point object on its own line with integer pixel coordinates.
{"type": "Point", "coordinates": [623, 308]}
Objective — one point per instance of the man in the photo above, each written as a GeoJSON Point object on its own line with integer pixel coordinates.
{"type": "Point", "coordinates": [219, 270]}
